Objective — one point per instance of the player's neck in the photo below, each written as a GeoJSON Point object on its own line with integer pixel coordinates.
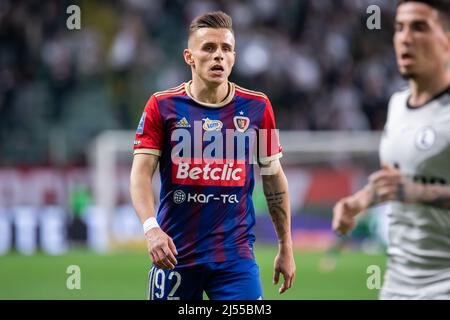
{"type": "Point", "coordinates": [426, 88]}
{"type": "Point", "coordinates": [207, 94]}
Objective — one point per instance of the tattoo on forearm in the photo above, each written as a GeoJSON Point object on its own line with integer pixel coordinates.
{"type": "Point", "coordinates": [279, 215]}
{"type": "Point", "coordinates": [275, 198]}
{"type": "Point", "coordinates": [438, 198]}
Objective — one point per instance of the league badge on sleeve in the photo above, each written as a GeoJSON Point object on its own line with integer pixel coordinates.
{"type": "Point", "coordinates": [140, 128]}
{"type": "Point", "coordinates": [241, 123]}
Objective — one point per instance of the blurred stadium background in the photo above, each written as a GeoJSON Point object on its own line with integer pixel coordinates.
{"type": "Point", "coordinates": [70, 101]}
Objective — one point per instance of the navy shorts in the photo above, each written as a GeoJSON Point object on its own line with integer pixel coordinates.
{"type": "Point", "coordinates": [229, 280]}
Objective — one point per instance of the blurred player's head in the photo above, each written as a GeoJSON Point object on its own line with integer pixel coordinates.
{"type": "Point", "coordinates": [210, 51]}
{"type": "Point", "coordinates": [422, 37]}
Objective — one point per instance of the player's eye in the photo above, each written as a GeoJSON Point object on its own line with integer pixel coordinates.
{"type": "Point", "coordinates": [209, 48]}
{"type": "Point", "coordinates": [398, 27]}
{"type": "Point", "coordinates": [419, 26]}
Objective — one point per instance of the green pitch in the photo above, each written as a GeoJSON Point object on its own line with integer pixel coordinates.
{"type": "Point", "coordinates": [124, 276]}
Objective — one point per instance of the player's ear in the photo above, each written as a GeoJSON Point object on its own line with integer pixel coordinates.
{"type": "Point", "coordinates": [188, 57]}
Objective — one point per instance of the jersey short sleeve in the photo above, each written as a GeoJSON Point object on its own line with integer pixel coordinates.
{"type": "Point", "coordinates": [149, 134]}
{"type": "Point", "coordinates": [269, 141]}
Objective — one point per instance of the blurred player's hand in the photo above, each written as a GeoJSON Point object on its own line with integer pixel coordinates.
{"type": "Point", "coordinates": [390, 184]}
{"type": "Point", "coordinates": [346, 209]}
{"type": "Point", "coordinates": [284, 263]}
{"type": "Point", "coordinates": [161, 248]}
{"type": "Point", "coordinates": [387, 184]}
{"type": "Point", "coordinates": [344, 216]}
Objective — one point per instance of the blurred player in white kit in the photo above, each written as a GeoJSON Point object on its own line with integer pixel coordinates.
{"type": "Point", "coordinates": [414, 178]}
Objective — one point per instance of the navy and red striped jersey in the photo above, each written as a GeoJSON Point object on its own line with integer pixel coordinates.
{"type": "Point", "coordinates": [207, 153]}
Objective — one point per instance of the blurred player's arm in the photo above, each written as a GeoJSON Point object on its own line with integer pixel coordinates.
{"type": "Point", "coordinates": [160, 246]}
{"type": "Point", "coordinates": [387, 184]}
{"type": "Point", "coordinates": [390, 184]}
{"type": "Point", "coordinates": [436, 196]}
{"type": "Point", "coordinates": [275, 186]}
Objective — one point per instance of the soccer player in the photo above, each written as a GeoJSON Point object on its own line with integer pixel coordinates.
{"type": "Point", "coordinates": [202, 237]}
{"type": "Point", "coordinates": [415, 158]}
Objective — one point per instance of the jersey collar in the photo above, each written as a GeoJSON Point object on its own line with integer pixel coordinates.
{"type": "Point", "coordinates": [436, 97]}
{"type": "Point", "coordinates": [227, 100]}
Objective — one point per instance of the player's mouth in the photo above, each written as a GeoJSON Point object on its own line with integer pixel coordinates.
{"type": "Point", "coordinates": [406, 58]}
{"type": "Point", "coordinates": [217, 69]}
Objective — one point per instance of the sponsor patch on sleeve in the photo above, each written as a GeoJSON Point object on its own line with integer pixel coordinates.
{"type": "Point", "coordinates": [140, 128]}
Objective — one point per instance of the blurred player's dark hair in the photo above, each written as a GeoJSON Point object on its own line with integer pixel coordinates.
{"type": "Point", "coordinates": [216, 20]}
{"type": "Point", "coordinates": [443, 6]}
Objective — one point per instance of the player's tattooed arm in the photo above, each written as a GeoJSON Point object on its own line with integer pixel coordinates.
{"type": "Point", "coordinates": [276, 192]}
{"type": "Point", "coordinates": [277, 195]}
{"type": "Point", "coordinates": [389, 184]}
{"type": "Point", "coordinates": [435, 195]}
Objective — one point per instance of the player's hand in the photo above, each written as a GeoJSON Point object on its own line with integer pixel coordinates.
{"type": "Point", "coordinates": [390, 184]}
{"type": "Point", "coordinates": [161, 248]}
{"type": "Point", "coordinates": [344, 216]}
{"type": "Point", "coordinates": [284, 263]}
{"type": "Point", "coordinates": [346, 209]}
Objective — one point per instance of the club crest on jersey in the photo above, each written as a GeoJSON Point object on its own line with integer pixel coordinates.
{"type": "Point", "coordinates": [183, 123]}
{"type": "Point", "coordinates": [425, 138]}
{"type": "Point", "coordinates": [140, 128]}
{"type": "Point", "coordinates": [212, 125]}
{"type": "Point", "coordinates": [241, 123]}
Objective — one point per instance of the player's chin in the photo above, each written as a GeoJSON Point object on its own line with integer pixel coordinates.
{"type": "Point", "coordinates": [217, 80]}
{"type": "Point", "coordinates": [407, 74]}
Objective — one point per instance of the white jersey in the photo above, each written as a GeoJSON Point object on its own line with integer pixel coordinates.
{"type": "Point", "coordinates": [417, 141]}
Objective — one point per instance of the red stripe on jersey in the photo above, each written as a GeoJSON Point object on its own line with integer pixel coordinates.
{"type": "Point", "coordinates": [250, 94]}
{"type": "Point", "coordinates": [151, 134]}
{"type": "Point", "coordinates": [269, 135]}
{"type": "Point", "coordinates": [181, 86]}
{"type": "Point", "coordinates": [165, 95]}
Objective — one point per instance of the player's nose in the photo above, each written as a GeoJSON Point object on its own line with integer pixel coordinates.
{"type": "Point", "coordinates": [218, 55]}
{"type": "Point", "coordinates": [405, 36]}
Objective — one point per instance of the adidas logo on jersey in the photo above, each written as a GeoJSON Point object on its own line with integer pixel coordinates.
{"type": "Point", "coordinates": [183, 123]}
